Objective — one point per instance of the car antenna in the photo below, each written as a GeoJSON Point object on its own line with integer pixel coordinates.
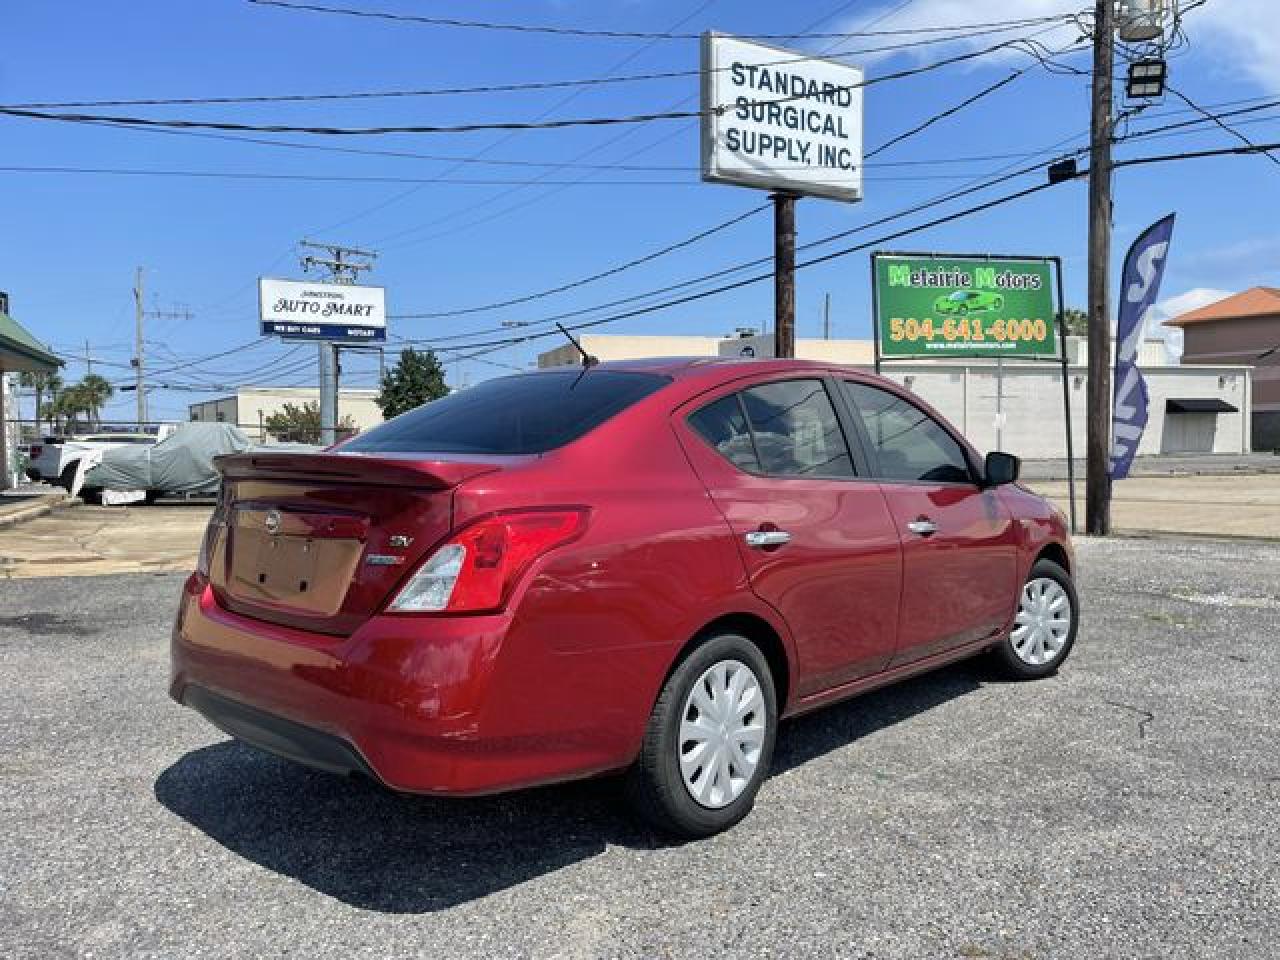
{"type": "Point", "coordinates": [587, 359]}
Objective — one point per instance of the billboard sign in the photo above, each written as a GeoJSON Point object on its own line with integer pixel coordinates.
{"type": "Point", "coordinates": [780, 119]}
{"type": "Point", "coordinates": [302, 310]}
{"type": "Point", "coordinates": [956, 306]}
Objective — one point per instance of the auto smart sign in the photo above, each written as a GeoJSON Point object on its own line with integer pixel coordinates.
{"type": "Point", "coordinates": [300, 310]}
{"type": "Point", "coordinates": [780, 120]}
{"type": "Point", "coordinates": [963, 306]}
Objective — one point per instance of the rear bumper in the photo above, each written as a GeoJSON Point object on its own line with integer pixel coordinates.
{"type": "Point", "coordinates": [287, 739]}
{"type": "Point", "coordinates": [447, 706]}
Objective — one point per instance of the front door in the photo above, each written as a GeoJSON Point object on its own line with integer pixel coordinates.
{"type": "Point", "coordinates": [816, 538]}
{"type": "Point", "coordinates": [959, 546]}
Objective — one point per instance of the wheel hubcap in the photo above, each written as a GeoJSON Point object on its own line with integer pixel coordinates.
{"type": "Point", "coordinates": [722, 731]}
{"type": "Point", "coordinates": [1043, 622]}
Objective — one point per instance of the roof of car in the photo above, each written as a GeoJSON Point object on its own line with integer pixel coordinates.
{"type": "Point", "coordinates": [682, 367]}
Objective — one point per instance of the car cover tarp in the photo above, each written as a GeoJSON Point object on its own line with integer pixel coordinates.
{"type": "Point", "coordinates": [180, 463]}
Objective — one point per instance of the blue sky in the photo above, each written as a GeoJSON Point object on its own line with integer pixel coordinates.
{"type": "Point", "coordinates": [70, 243]}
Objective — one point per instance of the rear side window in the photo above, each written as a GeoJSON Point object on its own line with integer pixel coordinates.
{"type": "Point", "coordinates": [723, 425]}
{"type": "Point", "coordinates": [783, 429]}
{"type": "Point", "coordinates": [528, 413]}
{"type": "Point", "coordinates": [910, 445]}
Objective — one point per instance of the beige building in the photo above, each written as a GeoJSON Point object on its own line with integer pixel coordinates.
{"type": "Point", "coordinates": [1016, 406]}
{"type": "Point", "coordinates": [249, 408]}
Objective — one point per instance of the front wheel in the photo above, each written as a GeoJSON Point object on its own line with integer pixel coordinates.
{"type": "Point", "coordinates": [1044, 628]}
{"type": "Point", "coordinates": [709, 741]}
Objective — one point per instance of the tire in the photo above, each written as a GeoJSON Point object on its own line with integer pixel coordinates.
{"type": "Point", "coordinates": [657, 787]}
{"type": "Point", "coordinates": [1039, 647]}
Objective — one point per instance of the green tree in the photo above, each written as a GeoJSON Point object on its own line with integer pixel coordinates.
{"type": "Point", "coordinates": [417, 378]}
{"type": "Point", "coordinates": [96, 392]}
{"type": "Point", "coordinates": [301, 424]}
{"type": "Point", "coordinates": [1076, 321]}
{"type": "Point", "coordinates": [40, 384]}
{"type": "Point", "coordinates": [67, 407]}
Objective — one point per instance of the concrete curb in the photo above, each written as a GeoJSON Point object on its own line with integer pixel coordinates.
{"type": "Point", "coordinates": [28, 511]}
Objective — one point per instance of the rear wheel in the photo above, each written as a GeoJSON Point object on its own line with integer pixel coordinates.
{"type": "Point", "coordinates": [1044, 628]}
{"type": "Point", "coordinates": [709, 742]}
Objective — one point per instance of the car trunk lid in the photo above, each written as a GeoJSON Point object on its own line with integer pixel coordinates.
{"type": "Point", "coordinates": [320, 540]}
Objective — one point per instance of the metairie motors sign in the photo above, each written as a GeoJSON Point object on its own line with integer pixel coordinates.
{"type": "Point", "coordinates": [780, 120]}
{"type": "Point", "coordinates": [299, 310]}
{"type": "Point", "coordinates": [941, 305]}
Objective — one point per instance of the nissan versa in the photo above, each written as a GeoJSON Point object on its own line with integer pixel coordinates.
{"type": "Point", "coordinates": [633, 567]}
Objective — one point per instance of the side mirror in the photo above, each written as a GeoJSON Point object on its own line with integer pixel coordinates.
{"type": "Point", "coordinates": [1001, 468]}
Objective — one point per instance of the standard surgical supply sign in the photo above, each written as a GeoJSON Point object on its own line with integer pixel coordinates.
{"type": "Point", "coordinates": [780, 120]}
{"type": "Point", "coordinates": [298, 310]}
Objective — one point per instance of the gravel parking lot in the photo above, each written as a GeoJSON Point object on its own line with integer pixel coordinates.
{"type": "Point", "coordinates": [1125, 808]}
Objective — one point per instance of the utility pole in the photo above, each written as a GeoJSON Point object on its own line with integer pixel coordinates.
{"type": "Point", "coordinates": [342, 269]}
{"type": "Point", "coordinates": [826, 317]}
{"type": "Point", "coordinates": [1098, 440]}
{"type": "Point", "coordinates": [784, 274]}
{"type": "Point", "coordinates": [139, 316]}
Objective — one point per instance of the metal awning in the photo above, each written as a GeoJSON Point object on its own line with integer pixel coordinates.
{"type": "Point", "coordinates": [20, 351]}
{"type": "Point", "coordinates": [1199, 405]}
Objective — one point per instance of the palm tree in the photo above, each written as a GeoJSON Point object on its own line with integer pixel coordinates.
{"type": "Point", "coordinates": [40, 384]}
{"type": "Point", "coordinates": [96, 392]}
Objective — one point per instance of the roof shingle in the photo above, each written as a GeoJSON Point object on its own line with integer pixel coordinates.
{"type": "Point", "coordinates": [1254, 302]}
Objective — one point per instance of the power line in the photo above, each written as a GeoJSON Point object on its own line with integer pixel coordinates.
{"type": "Point", "coordinates": [612, 34]}
{"type": "Point", "coordinates": [899, 138]}
{"type": "Point", "coordinates": [1220, 122]}
{"type": "Point", "coordinates": [549, 111]}
{"type": "Point", "coordinates": [344, 178]}
{"type": "Point", "coordinates": [938, 221]}
{"type": "Point", "coordinates": [545, 124]}
{"type": "Point", "coordinates": [530, 86]}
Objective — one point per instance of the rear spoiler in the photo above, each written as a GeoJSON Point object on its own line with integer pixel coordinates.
{"type": "Point", "coordinates": [351, 468]}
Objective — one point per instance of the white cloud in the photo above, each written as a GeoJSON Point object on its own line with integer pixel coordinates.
{"type": "Point", "coordinates": [934, 13]}
{"type": "Point", "coordinates": [1243, 33]}
{"type": "Point", "coordinates": [1177, 305]}
{"type": "Point", "coordinates": [1238, 33]}
{"type": "Point", "coordinates": [1192, 299]}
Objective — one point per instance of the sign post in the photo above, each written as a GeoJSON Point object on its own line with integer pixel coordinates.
{"type": "Point", "coordinates": [972, 306]}
{"type": "Point", "coordinates": [783, 121]}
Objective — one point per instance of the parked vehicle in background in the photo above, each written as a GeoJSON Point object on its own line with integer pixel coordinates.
{"type": "Point", "coordinates": [181, 463]}
{"type": "Point", "coordinates": [55, 459]}
{"type": "Point", "coordinates": [635, 567]}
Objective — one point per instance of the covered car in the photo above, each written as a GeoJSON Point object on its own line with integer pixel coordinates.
{"type": "Point", "coordinates": [181, 463]}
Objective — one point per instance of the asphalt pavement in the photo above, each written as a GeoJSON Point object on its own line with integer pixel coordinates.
{"type": "Point", "coordinates": [1124, 808]}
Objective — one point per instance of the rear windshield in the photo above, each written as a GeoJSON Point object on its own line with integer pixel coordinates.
{"type": "Point", "coordinates": [529, 413]}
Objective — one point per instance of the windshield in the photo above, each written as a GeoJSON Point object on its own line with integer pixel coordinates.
{"type": "Point", "coordinates": [529, 413]}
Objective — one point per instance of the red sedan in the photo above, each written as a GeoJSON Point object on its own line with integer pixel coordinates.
{"type": "Point", "coordinates": [635, 567]}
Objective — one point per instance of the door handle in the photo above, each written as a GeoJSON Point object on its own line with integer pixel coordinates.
{"type": "Point", "coordinates": [766, 538]}
{"type": "Point", "coordinates": [923, 526]}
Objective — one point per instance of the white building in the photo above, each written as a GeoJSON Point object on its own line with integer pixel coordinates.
{"type": "Point", "coordinates": [1015, 406]}
{"type": "Point", "coordinates": [249, 408]}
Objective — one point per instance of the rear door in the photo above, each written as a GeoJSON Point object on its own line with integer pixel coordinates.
{"type": "Point", "coordinates": [959, 548]}
{"type": "Point", "coordinates": [813, 531]}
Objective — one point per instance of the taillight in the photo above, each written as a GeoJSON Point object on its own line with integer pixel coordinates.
{"type": "Point", "coordinates": [475, 570]}
{"type": "Point", "coordinates": [217, 522]}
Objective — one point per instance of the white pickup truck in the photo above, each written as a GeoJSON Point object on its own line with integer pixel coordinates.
{"type": "Point", "coordinates": [55, 461]}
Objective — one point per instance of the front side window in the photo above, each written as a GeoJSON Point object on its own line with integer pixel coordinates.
{"type": "Point", "coordinates": [910, 446]}
{"type": "Point", "coordinates": [783, 429]}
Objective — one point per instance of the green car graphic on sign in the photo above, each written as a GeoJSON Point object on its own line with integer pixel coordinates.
{"type": "Point", "coordinates": [968, 301]}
